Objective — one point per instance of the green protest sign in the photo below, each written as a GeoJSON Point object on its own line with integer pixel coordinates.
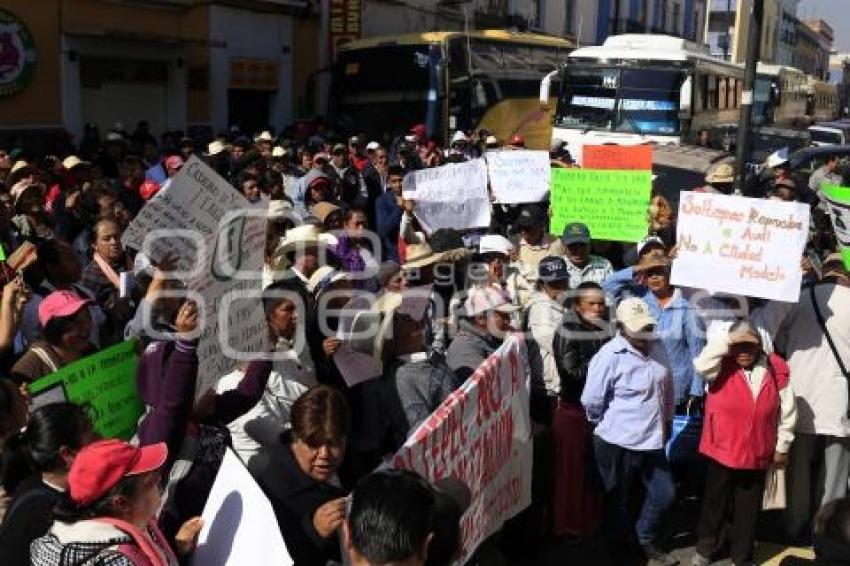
{"type": "Point", "coordinates": [105, 383]}
{"type": "Point", "coordinates": [838, 204]}
{"type": "Point", "coordinates": [2, 253]}
{"type": "Point", "coordinates": [613, 204]}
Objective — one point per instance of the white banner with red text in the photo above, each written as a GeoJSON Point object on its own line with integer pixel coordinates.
{"type": "Point", "coordinates": [481, 435]}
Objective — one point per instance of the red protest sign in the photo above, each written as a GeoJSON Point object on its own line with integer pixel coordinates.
{"type": "Point", "coordinates": [619, 157]}
{"type": "Point", "coordinates": [481, 435]}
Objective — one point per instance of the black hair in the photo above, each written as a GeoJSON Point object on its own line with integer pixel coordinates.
{"type": "Point", "coordinates": [589, 285]}
{"type": "Point", "coordinates": [351, 211]}
{"type": "Point", "coordinates": [56, 327]}
{"type": "Point", "coordinates": [272, 295]}
{"type": "Point", "coordinates": [68, 511]}
{"type": "Point", "coordinates": [96, 226]}
{"type": "Point", "coordinates": [390, 516]}
{"type": "Point", "coordinates": [50, 250]}
{"type": "Point", "coordinates": [36, 448]}
{"type": "Point", "coordinates": [396, 170]}
{"type": "Point", "coordinates": [243, 177]}
{"type": "Point", "coordinates": [50, 254]}
{"type": "Point", "coordinates": [13, 465]}
{"type": "Point", "coordinates": [50, 428]}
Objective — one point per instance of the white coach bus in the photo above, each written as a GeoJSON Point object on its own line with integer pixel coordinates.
{"type": "Point", "coordinates": [642, 88]}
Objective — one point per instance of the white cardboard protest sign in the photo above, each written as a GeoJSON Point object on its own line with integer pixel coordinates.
{"type": "Point", "coordinates": [198, 220]}
{"type": "Point", "coordinates": [481, 435]}
{"type": "Point", "coordinates": [451, 196]}
{"type": "Point", "coordinates": [519, 176]}
{"type": "Point", "coordinates": [240, 526]}
{"type": "Point", "coordinates": [741, 246]}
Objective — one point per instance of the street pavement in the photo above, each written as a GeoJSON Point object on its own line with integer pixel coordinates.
{"type": "Point", "coordinates": [680, 539]}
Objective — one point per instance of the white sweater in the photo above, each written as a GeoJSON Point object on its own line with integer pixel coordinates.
{"type": "Point", "coordinates": [820, 387]}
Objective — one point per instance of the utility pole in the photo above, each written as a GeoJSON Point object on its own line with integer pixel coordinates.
{"type": "Point", "coordinates": [616, 17]}
{"type": "Point", "coordinates": [728, 41]}
{"type": "Point", "coordinates": [753, 48]}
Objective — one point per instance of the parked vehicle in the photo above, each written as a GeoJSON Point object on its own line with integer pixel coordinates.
{"type": "Point", "coordinates": [830, 133]}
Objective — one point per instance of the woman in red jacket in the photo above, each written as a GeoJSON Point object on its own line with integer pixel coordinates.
{"type": "Point", "coordinates": [748, 425]}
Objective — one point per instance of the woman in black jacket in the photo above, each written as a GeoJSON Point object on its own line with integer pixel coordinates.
{"type": "Point", "coordinates": [576, 508]}
{"type": "Point", "coordinates": [301, 477]}
{"type": "Point", "coordinates": [43, 453]}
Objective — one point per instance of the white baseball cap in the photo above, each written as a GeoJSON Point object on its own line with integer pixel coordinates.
{"type": "Point", "coordinates": [649, 240]}
{"type": "Point", "coordinates": [484, 299]}
{"type": "Point", "coordinates": [494, 243]}
{"type": "Point", "coordinates": [634, 315]}
{"type": "Point", "coordinates": [372, 146]}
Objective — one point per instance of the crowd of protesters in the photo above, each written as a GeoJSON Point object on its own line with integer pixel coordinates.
{"type": "Point", "coordinates": [615, 352]}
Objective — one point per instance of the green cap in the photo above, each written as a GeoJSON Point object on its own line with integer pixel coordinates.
{"type": "Point", "coordinates": [576, 233]}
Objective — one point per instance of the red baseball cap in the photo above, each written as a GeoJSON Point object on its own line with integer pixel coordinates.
{"type": "Point", "coordinates": [174, 162]}
{"type": "Point", "coordinates": [517, 140]}
{"type": "Point", "coordinates": [419, 129]}
{"type": "Point", "coordinates": [148, 188]}
{"type": "Point", "coordinates": [59, 304]}
{"type": "Point", "coordinates": [99, 467]}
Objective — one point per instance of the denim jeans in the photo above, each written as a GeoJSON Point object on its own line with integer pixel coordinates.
{"type": "Point", "coordinates": [620, 468]}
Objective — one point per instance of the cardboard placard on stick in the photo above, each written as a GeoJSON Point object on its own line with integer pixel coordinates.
{"type": "Point", "coordinates": [618, 157]}
{"type": "Point", "coordinates": [742, 246]}
{"type": "Point", "coordinates": [613, 204]}
{"type": "Point", "coordinates": [104, 383]}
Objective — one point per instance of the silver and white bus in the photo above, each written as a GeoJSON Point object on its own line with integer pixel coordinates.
{"type": "Point", "coordinates": [643, 88]}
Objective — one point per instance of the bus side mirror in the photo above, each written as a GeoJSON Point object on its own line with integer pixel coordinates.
{"type": "Point", "coordinates": [685, 96]}
{"type": "Point", "coordinates": [546, 89]}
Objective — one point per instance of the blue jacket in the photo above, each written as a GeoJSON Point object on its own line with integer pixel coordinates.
{"type": "Point", "coordinates": [388, 217]}
{"type": "Point", "coordinates": [680, 329]}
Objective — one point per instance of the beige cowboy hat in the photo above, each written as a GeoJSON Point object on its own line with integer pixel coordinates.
{"type": "Point", "coordinates": [386, 306]}
{"type": "Point", "coordinates": [22, 187]}
{"type": "Point", "coordinates": [73, 161]}
{"type": "Point", "coordinates": [279, 209]}
{"type": "Point", "coordinates": [722, 174]}
{"type": "Point", "coordinates": [215, 147]}
{"type": "Point", "coordinates": [304, 236]}
{"type": "Point", "coordinates": [20, 169]}
{"type": "Point", "coordinates": [324, 277]}
{"type": "Point", "coordinates": [420, 255]}
{"type": "Point", "coordinates": [265, 136]}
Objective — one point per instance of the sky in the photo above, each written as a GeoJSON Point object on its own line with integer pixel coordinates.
{"type": "Point", "coordinates": [834, 12]}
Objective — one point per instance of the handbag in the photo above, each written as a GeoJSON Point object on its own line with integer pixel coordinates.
{"type": "Point", "coordinates": [774, 497]}
{"type": "Point", "coordinates": [829, 340]}
{"type": "Point", "coordinates": [685, 434]}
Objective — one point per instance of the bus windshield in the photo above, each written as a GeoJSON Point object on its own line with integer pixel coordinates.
{"type": "Point", "coordinates": [641, 101]}
{"type": "Point", "coordinates": [384, 87]}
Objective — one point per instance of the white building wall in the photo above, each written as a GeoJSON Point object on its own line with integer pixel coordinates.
{"type": "Point", "coordinates": [174, 111]}
{"type": "Point", "coordinates": [270, 39]}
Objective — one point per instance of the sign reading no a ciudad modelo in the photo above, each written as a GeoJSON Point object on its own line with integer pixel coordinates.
{"type": "Point", "coordinates": [742, 246]}
{"type": "Point", "coordinates": [17, 54]}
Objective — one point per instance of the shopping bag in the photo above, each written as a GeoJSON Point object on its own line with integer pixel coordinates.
{"type": "Point", "coordinates": [774, 490]}
{"type": "Point", "coordinates": [685, 434]}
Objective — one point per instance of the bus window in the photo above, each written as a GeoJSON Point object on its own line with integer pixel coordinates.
{"type": "Point", "coordinates": [588, 98]}
{"type": "Point", "coordinates": [649, 101]}
{"type": "Point", "coordinates": [384, 88]}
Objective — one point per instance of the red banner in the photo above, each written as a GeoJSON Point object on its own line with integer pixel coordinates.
{"type": "Point", "coordinates": [618, 157]}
